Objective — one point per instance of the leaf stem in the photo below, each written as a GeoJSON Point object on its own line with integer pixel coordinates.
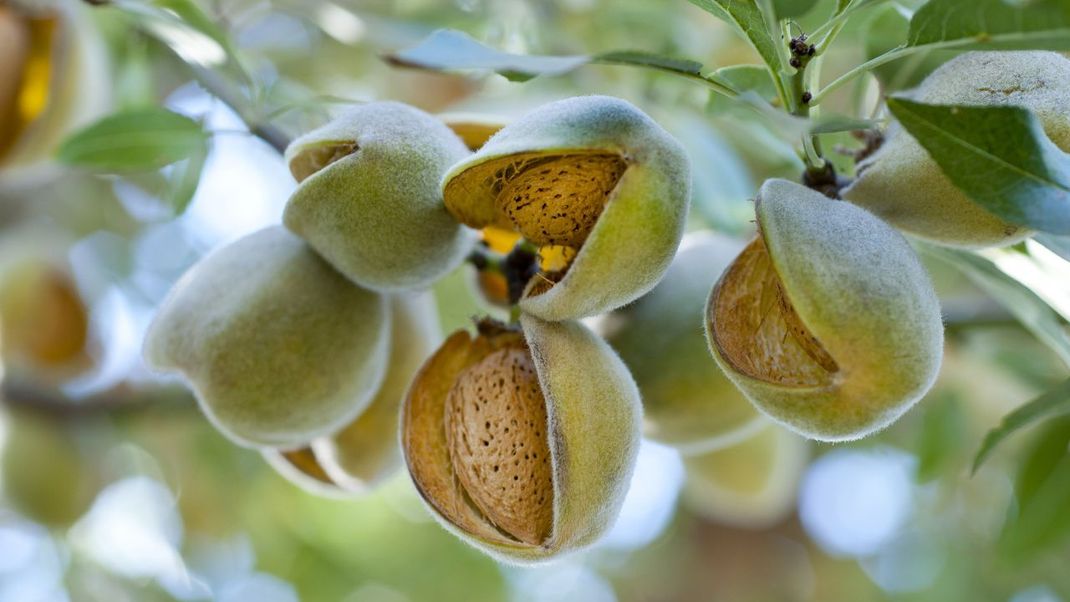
{"type": "Point", "coordinates": [228, 95]}
{"type": "Point", "coordinates": [839, 19]}
{"type": "Point", "coordinates": [892, 55]}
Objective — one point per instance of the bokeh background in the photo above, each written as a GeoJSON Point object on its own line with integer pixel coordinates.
{"type": "Point", "coordinates": [114, 487]}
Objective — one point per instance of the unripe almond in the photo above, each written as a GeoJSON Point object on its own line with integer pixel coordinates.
{"type": "Point", "coordinates": [368, 199]}
{"type": "Point", "coordinates": [902, 184]}
{"type": "Point", "coordinates": [827, 322]}
{"type": "Point", "coordinates": [592, 175]}
{"type": "Point", "coordinates": [516, 447]}
{"type": "Point", "coordinates": [686, 402]}
{"type": "Point", "coordinates": [278, 347]}
{"type": "Point", "coordinates": [751, 484]}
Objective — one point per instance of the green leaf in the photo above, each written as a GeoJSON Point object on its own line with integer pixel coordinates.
{"type": "Point", "coordinates": [790, 9]}
{"type": "Point", "coordinates": [999, 156]}
{"type": "Point", "coordinates": [830, 123]}
{"type": "Point", "coordinates": [748, 78]}
{"type": "Point", "coordinates": [992, 25]}
{"type": "Point", "coordinates": [748, 19]}
{"type": "Point", "coordinates": [1042, 488]}
{"type": "Point", "coordinates": [645, 59]}
{"type": "Point", "coordinates": [135, 140]}
{"type": "Point", "coordinates": [750, 81]}
{"type": "Point", "coordinates": [1053, 403]}
{"type": "Point", "coordinates": [756, 91]}
{"type": "Point", "coordinates": [887, 30]}
{"type": "Point", "coordinates": [448, 49]}
{"type": "Point", "coordinates": [1026, 306]}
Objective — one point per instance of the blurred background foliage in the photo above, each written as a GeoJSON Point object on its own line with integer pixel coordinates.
{"type": "Point", "coordinates": [114, 487]}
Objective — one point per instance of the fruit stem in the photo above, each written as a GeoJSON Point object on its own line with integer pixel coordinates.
{"type": "Point", "coordinates": [519, 267]}
{"type": "Point", "coordinates": [802, 53]}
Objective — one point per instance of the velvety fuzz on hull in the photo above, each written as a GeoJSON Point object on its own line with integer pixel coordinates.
{"type": "Point", "coordinates": [827, 321]}
{"type": "Point", "coordinates": [592, 179]}
{"type": "Point", "coordinates": [369, 201]}
{"type": "Point", "coordinates": [517, 447]}
{"type": "Point", "coordinates": [902, 184]}
{"type": "Point", "coordinates": [278, 346]}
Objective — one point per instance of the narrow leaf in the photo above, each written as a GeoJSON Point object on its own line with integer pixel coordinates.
{"type": "Point", "coordinates": [135, 140]}
{"type": "Point", "coordinates": [830, 123]}
{"type": "Point", "coordinates": [1027, 307]}
{"type": "Point", "coordinates": [748, 78]}
{"type": "Point", "coordinates": [447, 49]}
{"type": "Point", "coordinates": [992, 25]}
{"type": "Point", "coordinates": [748, 19]}
{"type": "Point", "coordinates": [1042, 488]}
{"type": "Point", "coordinates": [999, 156]}
{"type": "Point", "coordinates": [886, 31]}
{"type": "Point", "coordinates": [1055, 402]}
{"type": "Point", "coordinates": [654, 61]}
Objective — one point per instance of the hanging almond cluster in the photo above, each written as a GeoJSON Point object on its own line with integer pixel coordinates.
{"type": "Point", "coordinates": [303, 341]}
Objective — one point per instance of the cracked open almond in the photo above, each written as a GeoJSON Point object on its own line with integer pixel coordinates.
{"type": "Point", "coordinates": [827, 321]}
{"type": "Point", "coordinates": [368, 198]}
{"type": "Point", "coordinates": [516, 447]}
{"type": "Point", "coordinates": [902, 184]}
{"type": "Point", "coordinates": [590, 179]}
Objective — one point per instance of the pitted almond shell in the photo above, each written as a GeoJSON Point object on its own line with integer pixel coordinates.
{"type": "Point", "coordinates": [279, 347]}
{"type": "Point", "coordinates": [496, 431]}
{"type": "Point", "coordinates": [579, 462]}
{"type": "Point", "coordinates": [474, 129]}
{"type": "Point", "coordinates": [369, 200]}
{"type": "Point", "coordinates": [751, 484]}
{"type": "Point", "coordinates": [366, 452]}
{"type": "Point", "coordinates": [827, 321]}
{"type": "Point", "coordinates": [592, 174]}
{"type": "Point", "coordinates": [902, 184]}
{"type": "Point", "coordinates": [687, 402]}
